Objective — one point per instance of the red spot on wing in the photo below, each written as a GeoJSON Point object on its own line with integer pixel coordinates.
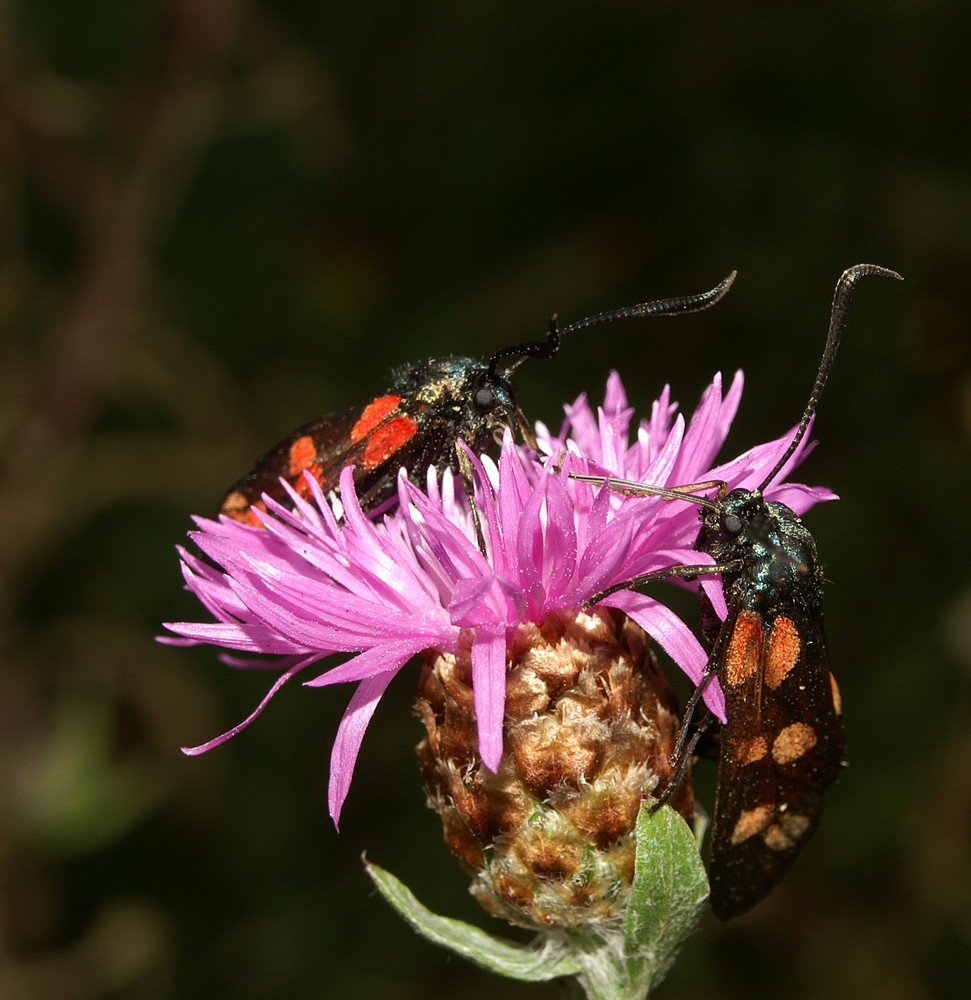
{"type": "Point", "coordinates": [389, 438]}
{"type": "Point", "coordinates": [375, 413]}
{"type": "Point", "coordinates": [383, 435]}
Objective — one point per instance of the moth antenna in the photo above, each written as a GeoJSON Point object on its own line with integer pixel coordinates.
{"type": "Point", "coordinates": [538, 349]}
{"type": "Point", "coordinates": [630, 487]}
{"type": "Point", "coordinates": [837, 324]}
{"type": "Point", "coordinates": [662, 307]}
{"type": "Point", "coordinates": [677, 306]}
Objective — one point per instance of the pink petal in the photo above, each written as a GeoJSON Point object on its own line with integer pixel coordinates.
{"type": "Point", "coordinates": [239, 727]}
{"type": "Point", "coordinates": [386, 658]}
{"type": "Point", "coordinates": [350, 735]}
{"type": "Point", "coordinates": [489, 693]}
{"type": "Point", "coordinates": [674, 637]}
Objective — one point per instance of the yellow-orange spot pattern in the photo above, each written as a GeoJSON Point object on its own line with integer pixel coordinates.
{"type": "Point", "coordinates": [785, 834]}
{"type": "Point", "coordinates": [792, 742]}
{"type": "Point", "coordinates": [752, 750]}
{"type": "Point", "coordinates": [744, 648]}
{"type": "Point", "coordinates": [303, 451]}
{"type": "Point", "coordinates": [302, 486]}
{"type": "Point", "coordinates": [752, 821]}
{"type": "Point", "coordinates": [783, 652]}
{"type": "Point", "coordinates": [837, 698]}
{"type": "Point", "coordinates": [239, 509]}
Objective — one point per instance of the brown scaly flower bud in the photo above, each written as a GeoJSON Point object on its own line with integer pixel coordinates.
{"type": "Point", "coordinates": [590, 726]}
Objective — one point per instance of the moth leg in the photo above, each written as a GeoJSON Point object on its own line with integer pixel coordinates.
{"type": "Point", "coordinates": [466, 471]}
{"type": "Point", "coordinates": [670, 573]}
{"type": "Point", "coordinates": [681, 758]}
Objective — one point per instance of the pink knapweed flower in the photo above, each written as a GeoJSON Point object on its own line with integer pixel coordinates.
{"type": "Point", "coordinates": [310, 584]}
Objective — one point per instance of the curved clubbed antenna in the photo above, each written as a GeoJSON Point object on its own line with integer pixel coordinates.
{"type": "Point", "coordinates": [662, 307]}
{"type": "Point", "coordinates": [837, 324]}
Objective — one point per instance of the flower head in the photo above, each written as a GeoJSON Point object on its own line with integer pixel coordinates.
{"type": "Point", "coordinates": [306, 585]}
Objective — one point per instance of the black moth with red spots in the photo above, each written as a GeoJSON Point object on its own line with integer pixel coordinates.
{"type": "Point", "coordinates": [417, 423]}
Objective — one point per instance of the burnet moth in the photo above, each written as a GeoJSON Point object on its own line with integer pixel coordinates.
{"type": "Point", "coordinates": [419, 421]}
{"type": "Point", "coordinates": [783, 742]}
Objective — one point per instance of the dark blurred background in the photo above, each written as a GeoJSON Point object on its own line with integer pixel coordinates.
{"type": "Point", "coordinates": [219, 220]}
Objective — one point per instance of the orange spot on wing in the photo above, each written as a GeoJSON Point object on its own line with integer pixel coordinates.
{"type": "Point", "coordinates": [375, 413]}
{"type": "Point", "coordinates": [837, 698]}
{"type": "Point", "coordinates": [751, 750]}
{"type": "Point", "coordinates": [783, 653]}
{"type": "Point", "coordinates": [752, 821]}
{"type": "Point", "coordinates": [788, 832]}
{"type": "Point", "coordinates": [303, 452]}
{"type": "Point", "coordinates": [744, 648]}
{"type": "Point", "coordinates": [793, 742]}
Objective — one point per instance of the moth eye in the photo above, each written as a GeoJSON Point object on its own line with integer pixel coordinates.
{"type": "Point", "coordinates": [732, 524]}
{"type": "Point", "coordinates": [484, 399]}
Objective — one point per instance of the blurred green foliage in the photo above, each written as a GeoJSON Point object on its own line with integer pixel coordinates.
{"type": "Point", "coordinates": [219, 220]}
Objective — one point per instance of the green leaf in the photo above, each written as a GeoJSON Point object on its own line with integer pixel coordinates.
{"type": "Point", "coordinates": [610, 962]}
{"type": "Point", "coordinates": [669, 891]}
{"type": "Point", "coordinates": [535, 963]}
